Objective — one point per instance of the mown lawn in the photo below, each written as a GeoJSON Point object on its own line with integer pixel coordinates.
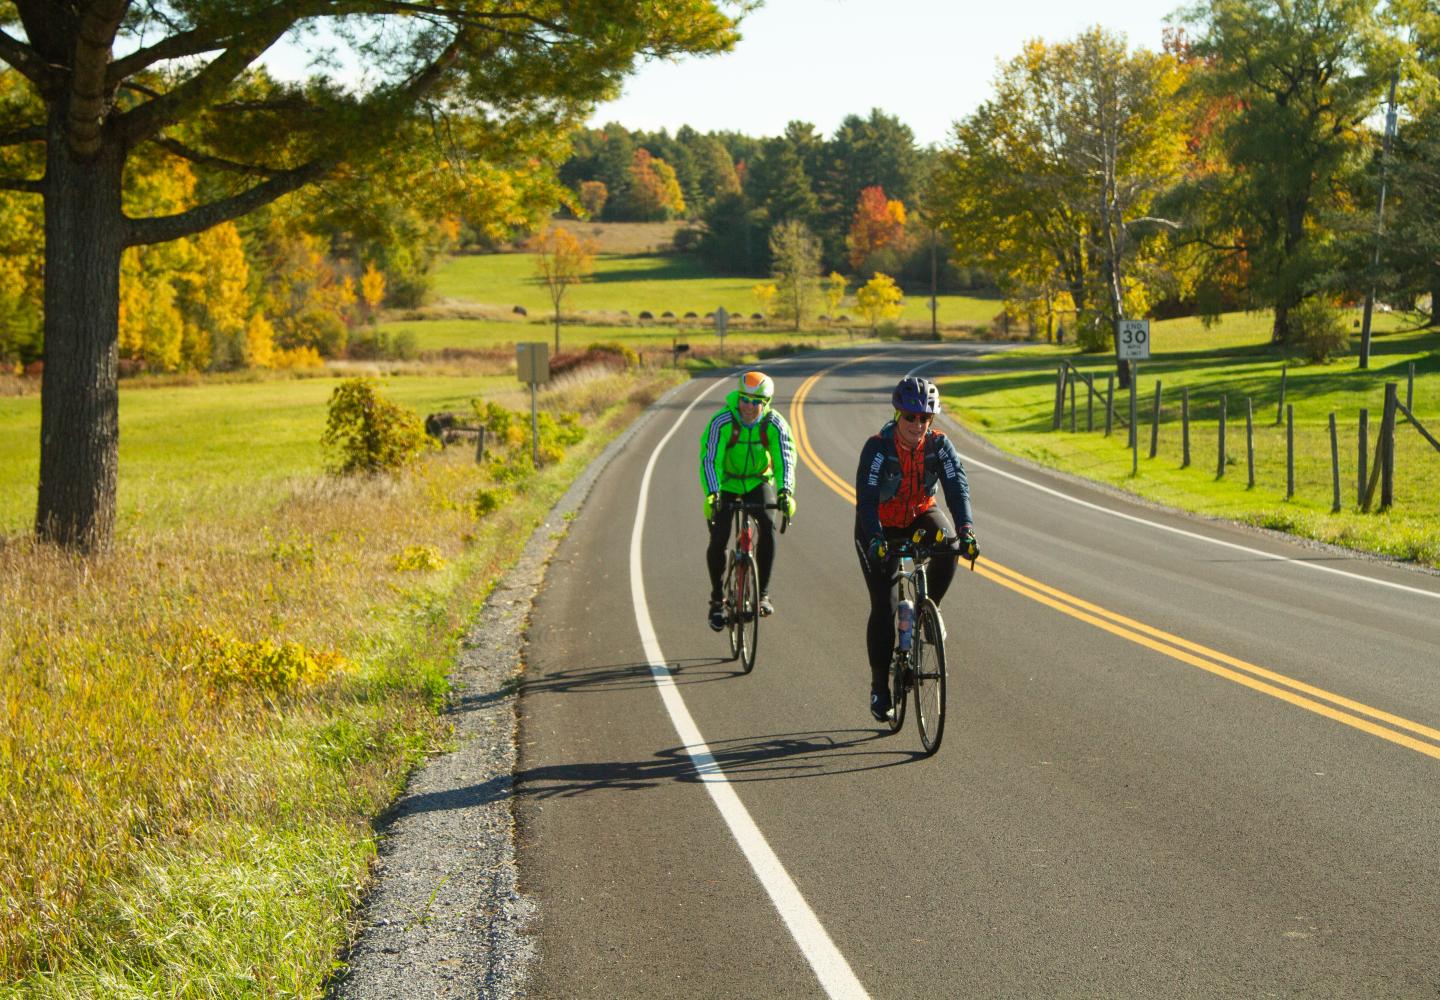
{"type": "Point", "coordinates": [1011, 401]}
{"type": "Point", "coordinates": [212, 445]}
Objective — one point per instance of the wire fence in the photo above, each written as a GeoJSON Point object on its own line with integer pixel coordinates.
{"type": "Point", "coordinates": [1361, 460]}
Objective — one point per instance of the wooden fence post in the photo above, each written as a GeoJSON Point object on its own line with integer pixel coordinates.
{"type": "Point", "coordinates": [1220, 467]}
{"type": "Point", "coordinates": [1289, 452]}
{"type": "Point", "coordinates": [1185, 427]}
{"type": "Point", "coordinates": [1059, 397]}
{"type": "Point", "coordinates": [1073, 380]}
{"type": "Point", "coordinates": [1387, 446]}
{"type": "Point", "coordinates": [1155, 421]}
{"type": "Point", "coordinates": [1109, 403]}
{"type": "Point", "coordinates": [1090, 404]}
{"type": "Point", "coordinates": [480, 445]}
{"type": "Point", "coordinates": [1364, 456]}
{"type": "Point", "coordinates": [1249, 443]}
{"type": "Point", "coordinates": [1280, 408]}
{"type": "Point", "coordinates": [1334, 467]}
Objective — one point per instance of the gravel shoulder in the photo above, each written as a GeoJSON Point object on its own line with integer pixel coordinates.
{"type": "Point", "coordinates": [445, 917]}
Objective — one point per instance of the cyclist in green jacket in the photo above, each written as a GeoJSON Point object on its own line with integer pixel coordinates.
{"type": "Point", "coordinates": [746, 452]}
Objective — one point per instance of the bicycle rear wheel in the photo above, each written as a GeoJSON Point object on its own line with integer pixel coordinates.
{"type": "Point", "coordinates": [899, 685]}
{"type": "Point", "coordinates": [747, 602]}
{"type": "Point", "coordinates": [929, 677]}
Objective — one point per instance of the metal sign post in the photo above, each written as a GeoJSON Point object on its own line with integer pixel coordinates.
{"type": "Point", "coordinates": [1132, 345]}
{"type": "Point", "coordinates": [532, 366]}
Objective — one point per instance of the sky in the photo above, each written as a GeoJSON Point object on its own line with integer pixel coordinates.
{"type": "Point", "coordinates": [927, 62]}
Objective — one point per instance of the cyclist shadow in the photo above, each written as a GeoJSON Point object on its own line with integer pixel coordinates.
{"type": "Point", "coordinates": [623, 676]}
{"type": "Point", "coordinates": [777, 757]}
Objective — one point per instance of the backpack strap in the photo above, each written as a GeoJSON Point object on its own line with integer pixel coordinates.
{"type": "Point", "coordinates": [764, 432]}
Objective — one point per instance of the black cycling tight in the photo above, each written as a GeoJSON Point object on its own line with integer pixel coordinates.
{"type": "Point", "coordinates": [880, 627]}
{"type": "Point", "coordinates": [720, 537]}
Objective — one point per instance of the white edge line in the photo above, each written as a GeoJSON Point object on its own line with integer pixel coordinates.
{"type": "Point", "coordinates": [830, 967]}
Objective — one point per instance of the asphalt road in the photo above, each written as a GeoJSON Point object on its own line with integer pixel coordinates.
{"type": "Point", "coordinates": [1182, 759]}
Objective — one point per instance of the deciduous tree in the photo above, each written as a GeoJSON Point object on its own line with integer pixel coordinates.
{"type": "Point", "coordinates": [112, 76]}
{"type": "Point", "coordinates": [877, 299]}
{"type": "Point", "coordinates": [878, 225]}
{"type": "Point", "coordinates": [795, 259]}
{"type": "Point", "coordinates": [561, 260]}
{"type": "Point", "coordinates": [1301, 77]}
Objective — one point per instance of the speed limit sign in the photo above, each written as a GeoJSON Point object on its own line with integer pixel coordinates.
{"type": "Point", "coordinates": [1132, 340]}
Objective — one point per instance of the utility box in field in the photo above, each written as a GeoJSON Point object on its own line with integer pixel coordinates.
{"type": "Point", "coordinates": [532, 362]}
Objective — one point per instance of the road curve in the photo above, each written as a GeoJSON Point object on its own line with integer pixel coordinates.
{"type": "Point", "coordinates": [1182, 757]}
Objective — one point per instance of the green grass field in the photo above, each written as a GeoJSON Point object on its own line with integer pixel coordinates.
{"type": "Point", "coordinates": [214, 445]}
{"type": "Point", "coordinates": [1011, 402]}
{"type": "Point", "coordinates": [654, 284]}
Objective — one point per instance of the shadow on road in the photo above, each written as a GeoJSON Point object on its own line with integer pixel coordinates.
{"type": "Point", "coordinates": [622, 676]}
{"type": "Point", "coordinates": [776, 757]}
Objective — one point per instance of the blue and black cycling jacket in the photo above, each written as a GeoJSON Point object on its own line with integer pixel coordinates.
{"type": "Point", "coordinates": [878, 478]}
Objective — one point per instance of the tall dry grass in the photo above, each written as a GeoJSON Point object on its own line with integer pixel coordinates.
{"type": "Point", "coordinates": [167, 829]}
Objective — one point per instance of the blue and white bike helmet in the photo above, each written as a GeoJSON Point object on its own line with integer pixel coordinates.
{"type": "Point", "coordinates": [916, 395]}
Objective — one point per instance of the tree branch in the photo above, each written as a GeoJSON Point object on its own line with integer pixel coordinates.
{"type": "Point", "coordinates": [170, 227]}
{"type": "Point", "coordinates": [29, 133]}
{"type": "Point", "coordinates": [220, 163]}
{"type": "Point", "coordinates": [27, 61]}
{"type": "Point", "coordinates": [160, 229]}
{"type": "Point", "coordinates": [21, 184]}
{"type": "Point", "coordinates": [148, 119]}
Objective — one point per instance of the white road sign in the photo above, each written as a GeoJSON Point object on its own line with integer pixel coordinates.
{"type": "Point", "coordinates": [1132, 340]}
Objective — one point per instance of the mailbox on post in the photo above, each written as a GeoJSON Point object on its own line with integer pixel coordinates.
{"type": "Point", "coordinates": [532, 366]}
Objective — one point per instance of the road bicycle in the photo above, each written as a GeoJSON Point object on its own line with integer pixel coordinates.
{"type": "Point", "coordinates": [919, 662]}
{"type": "Point", "coordinates": [741, 593]}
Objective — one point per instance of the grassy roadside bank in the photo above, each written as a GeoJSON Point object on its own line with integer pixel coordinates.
{"type": "Point", "coordinates": [201, 725]}
{"type": "Point", "coordinates": [1010, 399]}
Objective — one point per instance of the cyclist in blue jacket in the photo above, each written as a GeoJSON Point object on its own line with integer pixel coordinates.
{"type": "Point", "coordinates": [899, 470]}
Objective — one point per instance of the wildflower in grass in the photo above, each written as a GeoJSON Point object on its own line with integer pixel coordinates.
{"type": "Point", "coordinates": [419, 558]}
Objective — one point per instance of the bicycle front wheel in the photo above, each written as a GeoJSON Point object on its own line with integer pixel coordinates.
{"type": "Point", "coordinates": [732, 608]}
{"type": "Point", "coordinates": [747, 602]}
{"type": "Point", "coordinates": [929, 679]}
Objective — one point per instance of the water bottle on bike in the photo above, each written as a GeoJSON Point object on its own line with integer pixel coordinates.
{"type": "Point", "coordinates": [907, 625]}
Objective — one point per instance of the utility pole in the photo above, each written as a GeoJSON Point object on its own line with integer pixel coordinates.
{"type": "Point", "coordinates": [1379, 224]}
{"type": "Point", "coordinates": [934, 305]}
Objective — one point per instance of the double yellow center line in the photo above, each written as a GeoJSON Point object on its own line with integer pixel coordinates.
{"type": "Point", "coordinates": [1420, 738]}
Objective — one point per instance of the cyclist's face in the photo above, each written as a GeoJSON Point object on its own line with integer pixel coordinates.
{"type": "Point", "coordinates": [911, 427]}
{"type": "Point", "coordinates": [749, 408]}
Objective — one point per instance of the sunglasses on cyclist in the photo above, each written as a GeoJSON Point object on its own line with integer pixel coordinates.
{"type": "Point", "coordinates": [752, 400]}
{"type": "Point", "coordinates": [911, 418]}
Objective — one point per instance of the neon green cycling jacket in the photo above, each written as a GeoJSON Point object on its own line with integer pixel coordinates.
{"type": "Point", "coordinates": [735, 458]}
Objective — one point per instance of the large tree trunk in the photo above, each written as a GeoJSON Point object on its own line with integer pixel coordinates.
{"type": "Point", "coordinates": [79, 407]}
{"type": "Point", "coordinates": [1434, 296]}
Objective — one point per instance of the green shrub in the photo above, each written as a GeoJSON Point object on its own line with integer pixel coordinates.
{"type": "Point", "coordinates": [376, 345]}
{"type": "Point", "coordinates": [1318, 327]}
{"type": "Point", "coordinates": [622, 351]}
{"type": "Point", "coordinates": [419, 558]}
{"type": "Point", "coordinates": [371, 433]}
{"type": "Point", "coordinates": [488, 501]}
{"type": "Point", "coordinates": [267, 665]}
{"type": "Point", "coordinates": [1092, 334]}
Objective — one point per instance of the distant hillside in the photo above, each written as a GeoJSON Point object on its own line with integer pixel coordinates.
{"type": "Point", "coordinates": [626, 237]}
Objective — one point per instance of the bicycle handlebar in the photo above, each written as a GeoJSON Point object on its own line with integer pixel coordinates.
{"type": "Point", "coordinates": [750, 507]}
